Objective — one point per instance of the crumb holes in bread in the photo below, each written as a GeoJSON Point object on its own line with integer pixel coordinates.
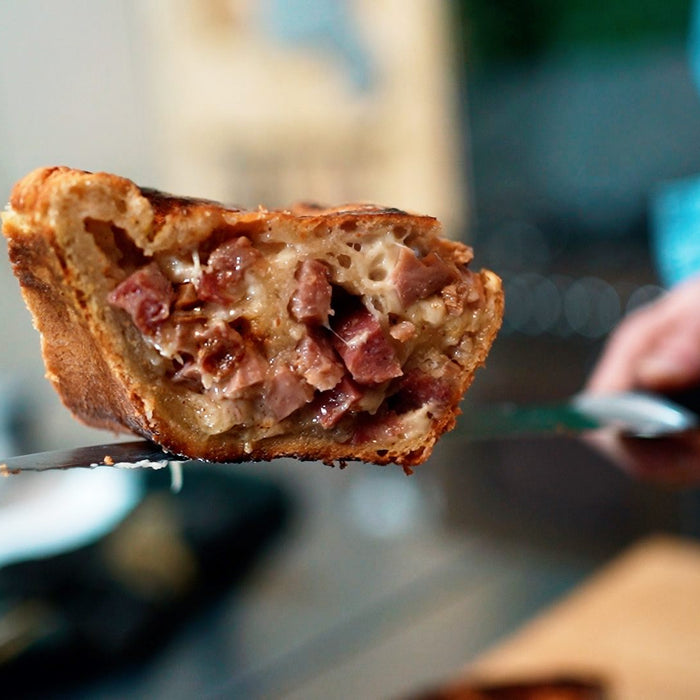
{"type": "Point", "coordinates": [378, 271]}
{"type": "Point", "coordinates": [115, 243]}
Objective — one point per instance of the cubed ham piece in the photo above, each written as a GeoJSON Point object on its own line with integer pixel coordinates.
{"type": "Point", "coordinates": [418, 388]}
{"type": "Point", "coordinates": [332, 405]}
{"type": "Point", "coordinates": [468, 291]}
{"type": "Point", "coordinates": [318, 363]}
{"type": "Point", "coordinates": [455, 250]}
{"type": "Point", "coordinates": [219, 351]}
{"type": "Point", "coordinates": [416, 279]}
{"type": "Point", "coordinates": [250, 369]}
{"type": "Point", "coordinates": [146, 295]}
{"type": "Point", "coordinates": [286, 392]}
{"type": "Point", "coordinates": [366, 350]}
{"type": "Point", "coordinates": [221, 356]}
{"type": "Point", "coordinates": [378, 428]}
{"type": "Point", "coordinates": [219, 280]}
{"type": "Point", "coordinates": [311, 301]}
{"type": "Point", "coordinates": [180, 335]}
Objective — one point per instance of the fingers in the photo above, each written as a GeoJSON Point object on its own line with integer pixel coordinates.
{"type": "Point", "coordinates": [673, 362]}
{"type": "Point", "coordinates": [618, 366]}
{"type": "Point", "coordinates": [656, 348]}
{"type": "Point", "coordinates": [672, 461]}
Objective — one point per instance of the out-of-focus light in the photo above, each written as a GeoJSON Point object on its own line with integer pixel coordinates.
{"type": "Point", "coordinates": [518, 304]}
{"type": "Point", "coordinates": [563, 306]}
{"type": "Point", "coordinates": [592, 307]}
{"type": "Point", "coordinates": [547, 305]}
{"type": "Point", "coordinates": [534, 304]}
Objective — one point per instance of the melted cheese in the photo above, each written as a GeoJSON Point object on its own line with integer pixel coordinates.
{"type": "Point", "coordinates": [362, 265]}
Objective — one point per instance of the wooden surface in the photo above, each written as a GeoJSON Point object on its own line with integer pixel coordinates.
{"type": "Point", "coordinates": [636, 624]}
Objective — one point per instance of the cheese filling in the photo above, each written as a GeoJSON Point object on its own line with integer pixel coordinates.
{"type": "Point", "coordinates": [361, 335]}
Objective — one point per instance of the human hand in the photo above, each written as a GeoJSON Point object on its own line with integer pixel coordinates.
{"type": "Point", "coordinates": [657, 348]}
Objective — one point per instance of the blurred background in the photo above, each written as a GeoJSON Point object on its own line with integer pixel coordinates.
{"type": "Point", "coordinates": [560, 138]}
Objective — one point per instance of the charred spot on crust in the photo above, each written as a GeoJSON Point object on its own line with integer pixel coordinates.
{"type": "Point", "coordinates": [164, 204]}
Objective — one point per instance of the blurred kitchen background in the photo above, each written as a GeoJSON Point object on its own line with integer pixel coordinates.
{"type": "Point", "coordinates": [560, 138]}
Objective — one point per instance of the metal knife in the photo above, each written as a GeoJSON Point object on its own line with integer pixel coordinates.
{"type": "Point", "coordinates": [634, 413]}
{"type": "Point", "coordinates": [137, 453]}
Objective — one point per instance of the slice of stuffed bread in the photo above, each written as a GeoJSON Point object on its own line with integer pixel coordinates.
{"type": "Point", "coordinates": [332, 334]}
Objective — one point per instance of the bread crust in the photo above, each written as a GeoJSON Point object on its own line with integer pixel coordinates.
{"type": "Point", "coordinates": [97, 362]}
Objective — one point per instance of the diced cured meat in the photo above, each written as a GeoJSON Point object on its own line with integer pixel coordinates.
{"type": "Point", "coordinates": [218, 356]}
{"type": "Point", "coordinates": [219, 280]}
{"type": "Point", "coordinates": [366, 351]}
{"type": "Point", "coordinates": [416, 279]}
{"type": "Point", "coordinates": [378, 428]}
{"type": "Point", "coordinates": [455, 250]}
{"type": "Point", "coordinates": [286, 392]}
{"type": "Point", "coordinates": [468, 291]}
{"type": "Point", "coordinates": [455, 295]}
{"type": "Point", "coordinates": [418, 388]}
{"type": "Point", "coordinates": [180, 335]}
{"type": "Point", "coordinates": [250, 370]}
{"type": "Point", "coordinates": [332, 405]}
{"type": "Point", "coordinates": [146, 295]}
{"type": "Point", "coordinates": [219, 351]}
{"type": "Point", "coordinates": [311, 301]}
{"type": "Point", "coordinates": [236, 255]}
{"type": "Point", "coordinates": [318, 363]}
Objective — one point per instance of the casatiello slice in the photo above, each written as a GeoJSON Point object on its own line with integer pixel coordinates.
{"type": "Point", "coordinates": [332, 334]}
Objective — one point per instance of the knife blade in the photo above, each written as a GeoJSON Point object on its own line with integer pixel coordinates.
{"type": "Point", "coordinates": [137, 453]}
{"type": "Point", "coordinates": [633, 413]}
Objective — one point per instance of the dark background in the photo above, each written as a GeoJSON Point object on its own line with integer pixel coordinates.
{"type": "Point", "coordinates": [576, 112]}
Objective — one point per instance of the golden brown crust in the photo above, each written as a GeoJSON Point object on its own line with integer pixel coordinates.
{"type": "Point", "coordinates": [98, 363]}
